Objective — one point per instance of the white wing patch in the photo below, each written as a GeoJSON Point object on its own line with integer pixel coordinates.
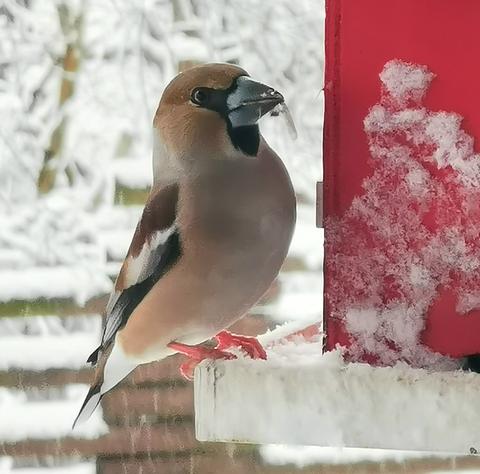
{"type": "Point", "coordinates": [140, 267]}
{"type": "Point", "coordinates": [136, 270]}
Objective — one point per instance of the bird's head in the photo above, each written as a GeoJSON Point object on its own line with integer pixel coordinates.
{"type": "Point", "coordinates": [212, 111]}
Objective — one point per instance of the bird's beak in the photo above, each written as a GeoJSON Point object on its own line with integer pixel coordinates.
{"type": "Point", "coordinates": [249, 101]}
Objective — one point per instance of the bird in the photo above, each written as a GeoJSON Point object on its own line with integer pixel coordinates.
{"type": "Point", "coordinates": [213, 234]}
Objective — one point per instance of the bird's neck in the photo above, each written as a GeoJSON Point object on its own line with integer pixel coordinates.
{"type": "Point", "coordinates": [166, 168]}
{"type": "Point", "coordinates": [246, 139]}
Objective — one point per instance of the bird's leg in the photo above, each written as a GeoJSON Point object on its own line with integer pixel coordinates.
{"type": "Point", "coordinates": [248, 344]}
{"type": "Point", "coordinates": [196, 354]}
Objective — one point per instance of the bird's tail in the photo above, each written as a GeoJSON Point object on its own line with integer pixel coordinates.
{"type": "Point", "coordinates": [113, 366]}
{"type": "Point", "coordinates": [91, 402]}
{"type": "Point", "coordinates": [93, 357]}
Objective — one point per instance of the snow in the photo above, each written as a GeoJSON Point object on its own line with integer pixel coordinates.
{"type": "Point", "coordinates": [405, 81]}
{"type": "Point", "coordinates": [307, 241]}
{"type": "Point", "coordinates": [132, 50]}
{"type": "Point", "coordinates": [133, 173]}
{"type": "Point", "coordinates": [44, 342]}
{"type": "Point", "coordinates": [52, 231]}
{"type": "Point", "coordinates": [46, 414]}
{"type": "Point", "coordinates": [187, 48]}
{"type": "Point", "coordinates": [330, 402]}
{"type": "Point", "coordinates": [412, 232]}
{"type": "Point", "coordinates": [457, 471]}
{"type": "Point", "coordinates": [300, 297]}
{"type": "Point", "coordinates": [303, 456]}
{"type": "Point", "coordinates": [78, 282]}
{"type": "Point", "coordinates": [283, 332]}
{"type": "Point", "coordinates": [115, 229]}
{"type": "Point", "coordinates": [7, 466]}
{"type": "Point", "coordinates": [41, 257]}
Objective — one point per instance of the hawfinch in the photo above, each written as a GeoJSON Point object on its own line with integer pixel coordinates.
{"type": "Point", "coordinates": [213, 235]}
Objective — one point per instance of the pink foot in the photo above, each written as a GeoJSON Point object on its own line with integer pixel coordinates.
{"type": "Point", "coordinates": [248, 344]}
{"type": "Point", "coordinates": [196, 354]}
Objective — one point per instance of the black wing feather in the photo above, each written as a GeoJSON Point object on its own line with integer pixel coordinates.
{"type": "Point", "coordinates": [133, 295]}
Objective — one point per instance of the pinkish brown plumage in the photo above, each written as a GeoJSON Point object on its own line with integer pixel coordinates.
{"type": "Point", "coordinates": [214, 232]}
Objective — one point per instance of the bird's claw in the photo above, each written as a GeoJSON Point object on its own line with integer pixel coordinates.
{"type": "Point", "coordinates": [225, 340]}
{"type": "Point", "coordinates": [196, 354]}
{"type": "Point", "coordinates": [248, 344]}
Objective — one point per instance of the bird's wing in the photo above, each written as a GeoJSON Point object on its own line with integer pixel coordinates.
{"type": "Point", "coordinates": [154, 249]}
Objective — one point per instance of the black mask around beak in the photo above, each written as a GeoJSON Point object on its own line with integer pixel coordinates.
{"type": "Point", "coordinates": [249, 101]}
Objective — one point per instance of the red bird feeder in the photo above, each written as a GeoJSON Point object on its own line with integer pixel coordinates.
{"type": "Point", "coordinates": [402, 181]}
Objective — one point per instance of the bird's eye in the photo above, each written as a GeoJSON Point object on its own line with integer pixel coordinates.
{"type": "Point", "coordinates": [199, 96]}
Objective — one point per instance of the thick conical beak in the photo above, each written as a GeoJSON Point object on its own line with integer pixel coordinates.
{"type": "Point", "coordinates": [249, 101]}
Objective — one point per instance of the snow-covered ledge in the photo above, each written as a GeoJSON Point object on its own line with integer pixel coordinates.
{"type": "Point", "coordinates": [302, 397]}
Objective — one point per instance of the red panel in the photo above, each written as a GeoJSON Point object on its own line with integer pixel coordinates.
{"type": "Point", "coordinates": [361, 37]}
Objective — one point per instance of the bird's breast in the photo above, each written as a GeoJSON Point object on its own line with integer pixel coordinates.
{"type": "Point", "coordinates": [239, 222]}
